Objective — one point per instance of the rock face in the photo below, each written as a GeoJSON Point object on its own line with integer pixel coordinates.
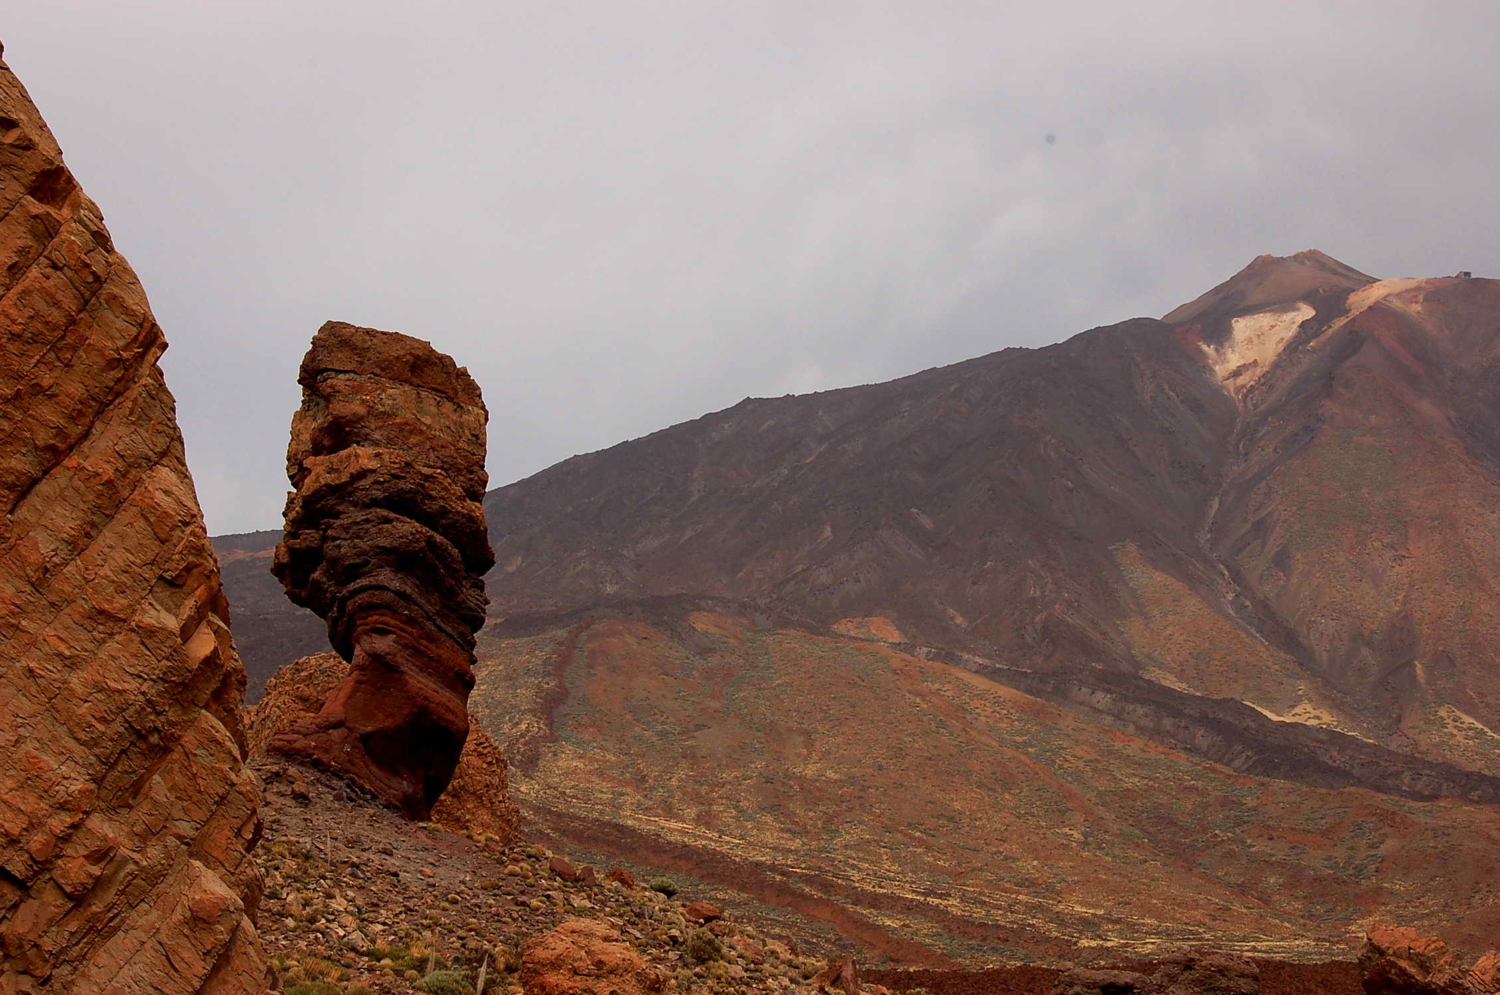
{"type": "Point", "coordinates": [478, 797]}
{"type": "Point", "coordinates": [385, 539]}
{"type": "Point", "coordinates": [127, 815]}
{"type": "Point", "coordinates": [1399, 960]}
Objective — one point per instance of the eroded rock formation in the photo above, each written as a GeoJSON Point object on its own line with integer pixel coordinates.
{"type": "Point", "coordinates": [1399, 960]}
{"type": "Point", "coordinates": [127, 816]}
{"type": "Point", "coordinates": [478, 797]}
{"type": "Point", "coordinates": [385, 539]}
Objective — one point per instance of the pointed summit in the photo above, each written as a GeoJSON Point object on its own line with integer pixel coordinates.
{"type": "Point", "coordinates": [1269, 281]}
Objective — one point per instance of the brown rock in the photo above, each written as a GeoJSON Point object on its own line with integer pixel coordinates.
{"type": "Point", "coordinates": [1206, 974]}
{"type": "Point", "coordinates": [587, 875]}
{"type": "Point", "coordinates": [385, 539]}
{"type": "Point", "coordinates": [583, 957]}
{"type": "Point", "coordinates": [1087, 981]}
{"type": "Point", "coordinates": [1484, 976]}
{"type": "Point", "coordinates": [478, 797]}
{"type": "Point", "coordinates": [841, 975]}
{"type": "Point", "coordinates": [1398, 960]}
{"type": "Point", "coordinates": [702, 911]}
{"type": "Point", "coordinates": [128, 814]}
{"type": "Point", "coordinates": [559, 865]}
{"type": "Point", "coordinates": [620, 874]}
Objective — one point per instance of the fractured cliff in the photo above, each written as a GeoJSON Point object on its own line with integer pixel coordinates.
{"type": "Point", "coordinates": [127, 815]}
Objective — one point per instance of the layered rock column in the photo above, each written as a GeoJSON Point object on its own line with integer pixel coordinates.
{"type": "Point", "coordinates": [385, 539]}
{"type": "Point", "coordinates": [127, 815]}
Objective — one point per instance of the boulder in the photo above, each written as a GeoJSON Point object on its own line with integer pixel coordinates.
{"type": "Point", "coordinates": [585, 957]}
{"type": "Point", "coordinates": [385, 539]}
{"type": "Point", "coordinates": [703, 912]}
{"type": "Point", "coordinates": [477, 799]}
{"type": "Point", "coordinates": [1484, 977]}
{"type": "Point", "coordinates": [623, 877]}
{"type": "Point", "coordinates": [1091, 981]}
{"type": "Point", "coordinates": [129, 815]}
{"type": "Point", "coordinates": [838, 976]}
{"type": "Point", "coordinates": [560, 866]}
{"type": "Point", "coordinates": [1398, 960]}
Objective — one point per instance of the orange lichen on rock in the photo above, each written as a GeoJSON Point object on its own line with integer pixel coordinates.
{"type": "Point", "coordinates": [129, 816]}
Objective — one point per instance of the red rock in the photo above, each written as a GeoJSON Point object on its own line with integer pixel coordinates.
{"type": "Point", "coordinates": [128, 814]}
{"type": "Point", "coordinates": [559, 865]}
{"type": "Point", "coordinates": [620, 874]}
{"type": "Point", "coordinates": [584, 957]}
{"type": "Point", "coordinates": [702, 911]}
{"type": "Point", "coordinates": [478, 797]}
{"type": "Point", "coordinates": [1398, 960]}
{"type": "Point", "coordinates": [1484, 976]}
{"type": "Point", "coordinates": [385, 539]}
{"type": "Point", "coordinates": [587, 875]}
{"type": "Point", "coordinates": [840, 975]}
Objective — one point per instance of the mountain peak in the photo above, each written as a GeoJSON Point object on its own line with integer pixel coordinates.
{"type": "Point", "coordinates": [1270, 280]}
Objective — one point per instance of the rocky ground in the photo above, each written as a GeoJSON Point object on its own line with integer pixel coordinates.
{"type": "Point", "coordinates": [360, 902]}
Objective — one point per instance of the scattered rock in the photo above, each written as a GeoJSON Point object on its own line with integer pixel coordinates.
{"type": "Point", "coordinates": [622, 877]}
{"type": "Point", "coordinates": [562, 868]}
{"type": "Point", "coordinates": [703, 912]}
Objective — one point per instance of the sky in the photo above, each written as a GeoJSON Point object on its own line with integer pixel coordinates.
{"type": "Point", "coordinates": [622, 215]}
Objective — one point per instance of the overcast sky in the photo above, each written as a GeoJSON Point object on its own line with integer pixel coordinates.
{"type": "Point", "coordinates": [623, 215]}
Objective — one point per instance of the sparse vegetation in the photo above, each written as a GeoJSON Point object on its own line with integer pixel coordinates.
{"type": "Point", "coordinates": [447, 983]}
{"type": "Point", "coordinates": [704, 947]}
{"type": "Point", "coordinates": [665, 886]}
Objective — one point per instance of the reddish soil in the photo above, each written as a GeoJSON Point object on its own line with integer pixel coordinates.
{"type": "Point", "coordinates": [1276, 977]}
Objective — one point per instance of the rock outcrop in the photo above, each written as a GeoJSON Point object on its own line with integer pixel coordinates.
{"type": "Point", "coordinates": [385, 539]}
{"type": "Point", "coordinates": [584, 957]}
{"type": "Point", "coordinates": [477, 800]}
{"type": "Point", "coordinates": [127, 815]}
{"type": "Point", "coordinates": [1399, 960]}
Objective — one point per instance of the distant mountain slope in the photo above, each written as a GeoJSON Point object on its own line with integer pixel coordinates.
{"type": "Point", "coordinates": [1285, 492]}
{"type": "Point", "coordinates": [269, 631]}
{"type": "Point", "coordinates": [897, 797]}
{"type": "Point", "coordinates": [944, 661]}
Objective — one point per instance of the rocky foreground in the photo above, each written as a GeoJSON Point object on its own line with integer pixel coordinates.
{"type": "Point", "coordinates": [361, 902]}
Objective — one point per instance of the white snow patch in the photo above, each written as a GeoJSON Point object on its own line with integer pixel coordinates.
{"type": "Point", "coordinates": [1255, 340]}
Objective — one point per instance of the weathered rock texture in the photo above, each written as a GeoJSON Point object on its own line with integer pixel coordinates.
{"type": "Point", "coordinates": [478, 797]}
{"type": "Point", "coordinates": [584, 957]}
{"type": "Point", "coordinates": [385, 539]}
{"type": "Point", "coordinates": [1399, 960]}
{"type": "Point", "coordinates": [127, 815]}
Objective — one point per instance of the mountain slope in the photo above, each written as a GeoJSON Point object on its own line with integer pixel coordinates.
{"type": "Point", "coordinates": [1284, 493]}
{"type": "Point", "coordinates": [900, 798]}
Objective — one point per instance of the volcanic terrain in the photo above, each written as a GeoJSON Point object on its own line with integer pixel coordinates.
{"type": "Point", "coordinates": [1178, 631]}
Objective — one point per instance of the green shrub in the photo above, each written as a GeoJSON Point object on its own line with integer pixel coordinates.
{"type": "Point", "coordinates": [314, 988]}
{"type": "Point", "coordinates": [704, 947]}
{"type": "Point", "coordinates": [666, 886]}
{"type": "Point", "coordinates": [447, 983]}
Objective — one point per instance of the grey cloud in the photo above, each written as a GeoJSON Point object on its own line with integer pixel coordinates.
{"type": "Point", "coordinates": [621, 215]}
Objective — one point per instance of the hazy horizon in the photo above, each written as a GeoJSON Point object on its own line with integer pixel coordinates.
{"type": "Point", "coordinates": [623, 216]}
